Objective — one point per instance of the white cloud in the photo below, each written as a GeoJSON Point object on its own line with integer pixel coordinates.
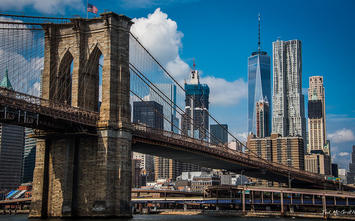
{"type": "Point", "coordinates": [341, 136]}
{"type": "Point", "coordinates": [35, 89]}
{"type": "Point", "coordinates": [22, 56]}
{"type": "Point", "coordinates": [241, 136]}
{"type": "Point", "coordinates": [24, 74]}
{"type": "Point", "coordinates": [160, 35]}
{"type": "Point", "coordinates": [343, 154]}
{"type": "Point", "coordinates": [44, 6]}
{"type": "Point", "coordinates": [226, 93]}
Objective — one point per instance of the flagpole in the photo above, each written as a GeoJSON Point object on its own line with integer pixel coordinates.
{"type": "Point", "coordinates": [87, 5]}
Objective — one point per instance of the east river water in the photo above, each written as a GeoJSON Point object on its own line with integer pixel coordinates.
{"type": "Point", "coordinates": [162, 218]}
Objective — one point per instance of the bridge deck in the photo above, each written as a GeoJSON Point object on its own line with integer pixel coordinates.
{"type": "Point", "coordinates": [34, 112]}
{"type": "Point", "coordinates": [22, 109]}
{"type": "Point", "coordinates": [170, 145]}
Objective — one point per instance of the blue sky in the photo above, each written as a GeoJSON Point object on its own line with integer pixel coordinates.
{"type": "Point", "coordinates": [221, 34]}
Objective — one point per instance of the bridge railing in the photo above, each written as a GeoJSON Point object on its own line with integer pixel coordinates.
{"type": "Point", "coordinates": [34, 104]}
{"type": "Point", "coordinates": [222, 150]}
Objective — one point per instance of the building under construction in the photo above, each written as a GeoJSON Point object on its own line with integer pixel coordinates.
{"type": "Point", "coordinates": [195, 120]}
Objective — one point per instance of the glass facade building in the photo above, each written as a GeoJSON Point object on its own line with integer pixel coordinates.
{"type": "Point", "coordinates": [259, 86]}
{"type": "Point", "coordinates": [220, 134]}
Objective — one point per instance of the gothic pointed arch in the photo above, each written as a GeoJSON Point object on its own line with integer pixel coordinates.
{"type": "Point", "coordinates": [63, 78]}
{"type": "Point", "coordinates": [90, 80]}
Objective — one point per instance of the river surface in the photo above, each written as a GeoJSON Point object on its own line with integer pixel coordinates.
{"type": "Point", "coordinates": [161, 218]}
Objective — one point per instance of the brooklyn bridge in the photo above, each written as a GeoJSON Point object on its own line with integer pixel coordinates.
{"type": "Point", "coordinates": [92, 72]}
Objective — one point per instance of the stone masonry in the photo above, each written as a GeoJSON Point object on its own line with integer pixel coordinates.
{"type": "Point", "coordinates": [77, 176]}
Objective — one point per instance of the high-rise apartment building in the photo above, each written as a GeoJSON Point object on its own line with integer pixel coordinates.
{"type": "Point", "coordinates": [195, 121]}
{"type": "Point", "coordinates": [146, 164]}
{"type": "Point", "coordinates": [351, 173]}
{"type": "Point", "coordinates": [316, 115]}
{"type": "Point", "coordinates": [288, 116]}
{"type": "Point", "coordinates": [219, 134]}
{"type": "Point", "coordinates": [11, 150]}
{"type": "Point", "coordinates": [318, 162]}
{"type": "Point", "coordinates": [167, 169]}
{"type": "Point", "coordinates": [259, 86]}
{"type": "Point", "coordinates": [29, 156]}
{"type": "Point", "coordinates": [262, 118]}
{"type": "Point", "coordinates": [284, 150]}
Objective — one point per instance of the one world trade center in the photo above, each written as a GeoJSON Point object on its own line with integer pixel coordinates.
{"type": "Point", "coordinates": [259, 86]}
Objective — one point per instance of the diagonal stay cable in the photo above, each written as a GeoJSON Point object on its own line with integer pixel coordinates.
{"type": "Point", "coordinates": [141, 76]}
{"type": "Point", "coordinates": [146, 50]}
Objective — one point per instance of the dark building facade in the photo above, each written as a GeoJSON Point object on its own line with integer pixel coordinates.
{"type": "Point", "coordinates": [29, 156]}
{"type": "Point", "coordinates": [11, 150]}
{"type": "Point", "coordinates": [351, 174]}
{"type": "Point", "coordinates": [149, 113]}
{"type": "Point", "coordinates": [219, 134]}
{"type": "Point", "coordinates": [335, 170]}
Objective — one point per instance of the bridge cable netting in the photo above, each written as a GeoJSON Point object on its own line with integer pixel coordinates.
{"type": "Point", "coordinates": [22, 53]}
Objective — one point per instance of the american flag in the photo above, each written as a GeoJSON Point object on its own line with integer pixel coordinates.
{"type": "Point", "coordinates": [92, 9]}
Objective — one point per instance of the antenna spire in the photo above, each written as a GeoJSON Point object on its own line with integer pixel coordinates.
{"type": "Point", "coordinates": [259, 33]}
{"type": "Point", "coordinates": [194, 64]}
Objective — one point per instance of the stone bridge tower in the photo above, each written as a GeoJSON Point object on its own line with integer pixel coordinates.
{"type": "Point", "coordinates": [76, 174]}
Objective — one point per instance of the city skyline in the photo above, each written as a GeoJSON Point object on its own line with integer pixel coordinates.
{"type": "Point", "coordinates": [230, 70]}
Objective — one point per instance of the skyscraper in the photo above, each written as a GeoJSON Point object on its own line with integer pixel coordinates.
{"type": "Point", "coordinates": [169, 109]}
{"type": "Point", "coordinates": [288, 117]}
{"type": "Point", "coordinates": [259, 86]}
{"type": "Point", "coordinates": [318, 158]}
{"type": "Point", "coordinates": [195, 122]}
{"type": "Point", "coordinates": [29, 156]}
{"type": "Point", "coordinates": [262, 119]}
{"type": "Point", "coordinates": [219, 134]}
{"type": "Point", "coordinates": [351, 174]}
{"type": "Point", "coordinates": [167, 168]}
{"type": "Point", "coordinates": [149, 113]}
{"type": "Point", "coordinates": [11, 149]}
{"type": "Point", "coordinates": [316, 115]}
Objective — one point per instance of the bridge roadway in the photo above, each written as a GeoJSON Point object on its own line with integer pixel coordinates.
{"type": "Point", "coordinates": [179, 147]}
{"type": "Point", "coordinates": [29, 111]}
{"type": "Point", "coordinates": [34, 112]}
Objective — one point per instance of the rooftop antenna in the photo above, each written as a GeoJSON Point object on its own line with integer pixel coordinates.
{"type": "Point", "coordinates": [194, 64]}
{"type": "Point", "coordinates": [259, 33]}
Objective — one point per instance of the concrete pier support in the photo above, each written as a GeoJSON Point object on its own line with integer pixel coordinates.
{"type": "Point", "coordinates": [86, 175]}
{"type": "Point", "coordinates": [243, 201]}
